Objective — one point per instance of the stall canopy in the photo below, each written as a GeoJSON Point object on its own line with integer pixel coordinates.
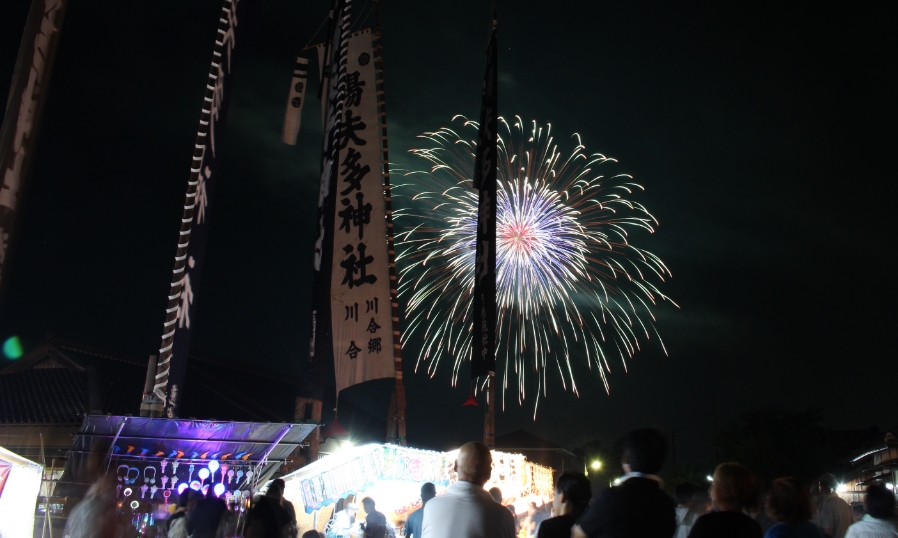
{"type": "Point", "coordinates": [20, 482]}
{"type": "Point", "coordinates": [402, 470]}
{"type": "Point", "coordinates": [105, 442]}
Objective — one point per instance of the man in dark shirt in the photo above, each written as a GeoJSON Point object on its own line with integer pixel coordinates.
{"type": "Point", "coordinates": [375, 522]}
{"type": "Point", "coordinates": [637, 508]}
{"type": "Point", "coordinates": [206, 516]}
{"type": "Point", "coordinates": [416, 519]}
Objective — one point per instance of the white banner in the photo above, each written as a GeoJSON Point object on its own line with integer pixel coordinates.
{"type": "Point", "coordinates": [360, 281]}
{"type": "Point", "coordinates": [295, 100]}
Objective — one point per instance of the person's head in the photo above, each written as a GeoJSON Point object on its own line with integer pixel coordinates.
{"type": "Point", "coordinates": [879, 502]}
{"type": "Point", "coordinates": [644, 451]}
{"type": "Point", "coordinates": [701, 503]}
{"type": "Point", "coordinates": [474, 463]}
{"type": "Point", "coordinates": [187, 500]}
{"type": "Point", "coordinates": [276, 489]}
{"type": "Point", "coordinates": [572, 493]}
{"type": "Point", "coordinates": [368, 505]}
{"type": "Point", "coordinates": [733, 488]}
{"type": "Point", "coordinates": [312, 534]}
{"type": "Point", "coordinates": [352, 509]}
{"type": "Point", "coordinates": [496, 494]}
{"type": "Point", "coordinates": [684, 493]}
{"type": "Point", "coordinates": [788, 502]}
{"type": "Point", "coordinates": [531, 508]}
{"type": "Point", "coordinates": [827, 484]}
{"type": "Point", "coordinates": [428, 491]}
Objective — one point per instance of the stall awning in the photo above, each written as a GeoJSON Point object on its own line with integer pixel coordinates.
{"type": "Point", "coordinates": [20, 482]}
{"type": "Point", "coordinates": [104, 441]}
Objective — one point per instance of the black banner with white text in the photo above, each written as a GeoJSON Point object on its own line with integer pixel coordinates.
{"type": "Point", "coordinates": [204, 169]}
{"type": "Point", "coordinates": [483, 360]}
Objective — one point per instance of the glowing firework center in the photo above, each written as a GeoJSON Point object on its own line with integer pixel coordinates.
{"type": "Point", "coordinates": [393, 476]}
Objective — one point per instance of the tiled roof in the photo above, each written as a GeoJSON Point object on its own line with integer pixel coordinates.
{"type": "Point", "coordinates": [43, 396]}
{"type": "Point", "coordinates": [51, 385]}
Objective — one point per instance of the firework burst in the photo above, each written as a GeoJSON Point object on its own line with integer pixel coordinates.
{"type": "Point", "coordinates": [571, 288]}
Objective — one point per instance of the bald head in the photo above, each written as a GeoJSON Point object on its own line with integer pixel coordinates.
{"type": "Point", "coordinates": [474, 463]}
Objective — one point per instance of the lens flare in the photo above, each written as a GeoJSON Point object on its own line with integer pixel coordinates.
{"type": "Point", "coordinates": [571, 287]}
{"type": "Point", "coordinates": [12, 348]}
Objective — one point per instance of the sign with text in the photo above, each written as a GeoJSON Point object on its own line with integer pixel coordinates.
{"type": "Point", "coordinates": [360, 283]}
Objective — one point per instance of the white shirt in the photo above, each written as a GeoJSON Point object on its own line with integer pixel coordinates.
{"type": "Point", "coordinates": [466, 510]}
{"type": "Point", "coordinates": [870, 527]}
{"type": "Point", "coordinates": [685, 520]}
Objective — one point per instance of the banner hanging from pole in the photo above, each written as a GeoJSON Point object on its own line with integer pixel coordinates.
{"type": "Point", "coordinates": [333, 60]}
{"type": "Point", "coordinates": [18, 134]}
{"type": "Point", "coordinates": [483, 360]}
{"type": "Point", "coordinates": [295, 101]}
{"type": "Point", "coordinates": [360, 283]}
{"type": "Point", "coordinates": [190, 253]}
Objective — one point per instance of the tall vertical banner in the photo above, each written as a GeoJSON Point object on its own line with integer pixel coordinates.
{"type": "Point", "coordinates": [333, 89]}
{"type": "Point", "coordinates": [360, 283]}
{"type": "Point", "coordinates": [30, 82]}
{"type": "Point", "coordinates": [179, 314]}
{"type": "Point", "coordinates": [483, 360]}
{"type": "Point", "coordinates": [295, 101]}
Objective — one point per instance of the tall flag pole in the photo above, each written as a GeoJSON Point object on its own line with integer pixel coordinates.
{"type": "Point", "coordinates": [179, 313]}
{"type": "Point", "coordinates": [483, 360]}
{"type": "Point", "coordinates": [18, 134]}
{"type": "Point", "coordinates": [396, 432]}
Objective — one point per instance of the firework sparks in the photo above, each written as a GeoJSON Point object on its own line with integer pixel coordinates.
{"type": "Point", "coordinates": [570, 286]}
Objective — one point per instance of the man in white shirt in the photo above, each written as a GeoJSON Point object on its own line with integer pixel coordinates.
{"type": "Point", "coordinates": [466, 510]}
{"type": "Point", "coordinates": [833, 514]}
{"type": "Point", "coordinates": [344, 521]}
{"type": "Point", "coordinates": [880, 505]}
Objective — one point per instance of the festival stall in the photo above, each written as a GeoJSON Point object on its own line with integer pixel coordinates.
{"type": "Point", "coordinates": [393, 476]}
{"type": "Point", "coordinates": [20, 483]}
{"type": "Point", "coordinates": [150, 461]}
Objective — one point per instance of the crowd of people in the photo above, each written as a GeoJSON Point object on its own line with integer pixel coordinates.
{"type": "Point", "coordinates": [636, 507]}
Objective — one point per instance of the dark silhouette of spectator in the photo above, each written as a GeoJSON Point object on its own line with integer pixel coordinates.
{"type": "Point", "coordinates": [790, 505]}
{"type": "Point", "coordinates": [268, 518]}
{"type": "Point", "coordinates": [416, 519]}
{"type": "Point", "coordinates": [287, 505]}
{"type": "Point", "coordinates": [880, 505]}
{"type": "Point", "coordinates": [177, 523]}
{"type": "Point", "coordinates": [833, 514]}
{"type": "Point", "coordinates": [637, 507]}
{"type": "Point", "coordinates": [572, 494]}
{"type": "Point", "coordinates": [312, 534]}
{"type": "Point", "coordinates": [375, 522]}
{"type": "Point", "coordinates": [733, 489]}
{"type": "Point", "coordinates": [208, 514]}
{"type": "Point", "coordinates": [496, 494]}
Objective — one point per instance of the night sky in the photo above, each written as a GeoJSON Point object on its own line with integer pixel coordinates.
{"type": "Point", "coordinates": [764, 135]}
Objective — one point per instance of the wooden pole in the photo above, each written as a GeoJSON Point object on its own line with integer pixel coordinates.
{"type": "Point", "coordinates": [489, 420]}
{"type": "Point", "coordinates": [396, 419]}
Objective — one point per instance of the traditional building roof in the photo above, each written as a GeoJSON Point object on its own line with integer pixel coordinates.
{"type": "Point", "coordinates": [60, 381]}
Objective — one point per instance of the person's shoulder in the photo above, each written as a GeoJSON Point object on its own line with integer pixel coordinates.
{"type": "Point", "coordinates": [780, 530]}
{"type": "Point", "coordinates": [557, 523]}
